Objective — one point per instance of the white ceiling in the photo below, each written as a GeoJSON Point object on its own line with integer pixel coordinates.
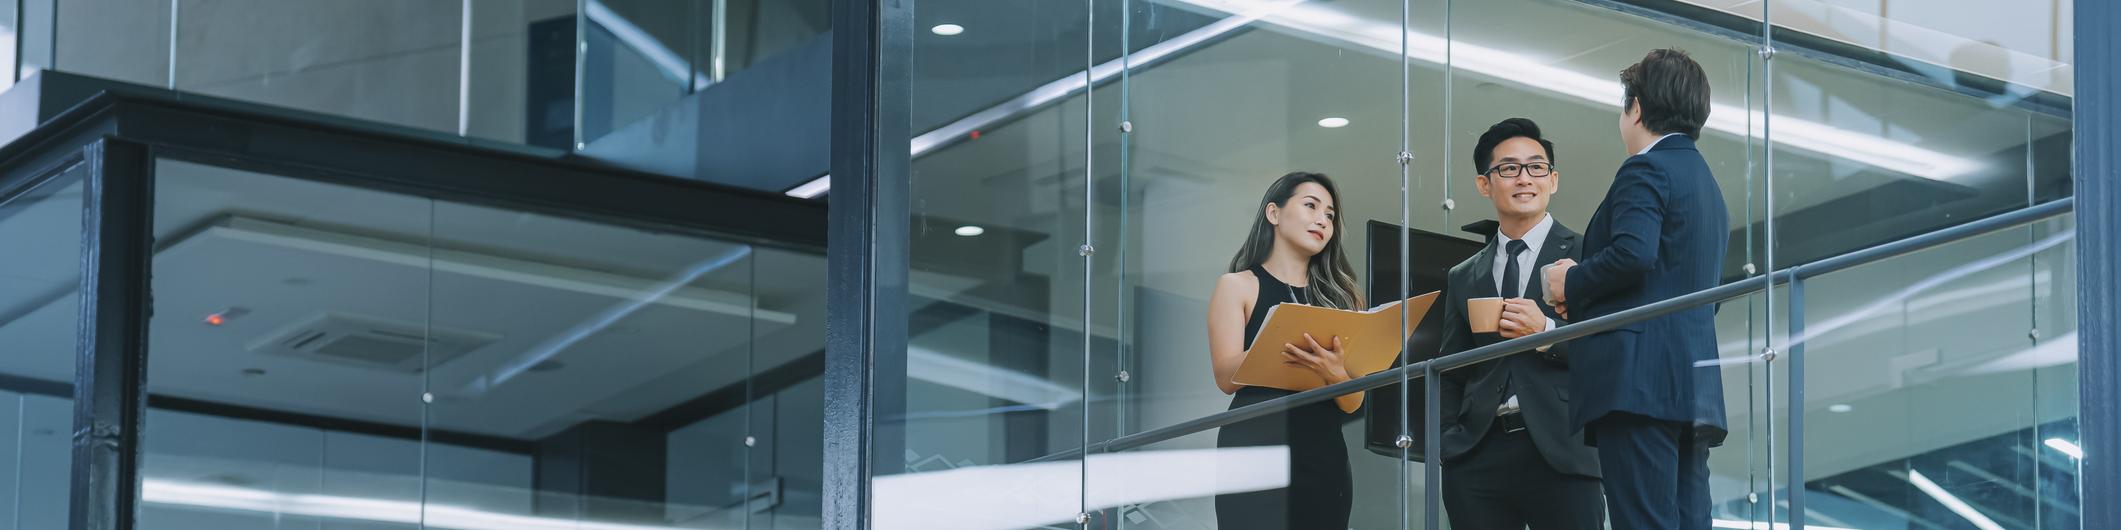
{"type": "Point", "coordinates": [590, 296]}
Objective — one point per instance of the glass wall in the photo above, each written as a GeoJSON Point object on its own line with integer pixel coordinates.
{"type": "Point", "coordinates": [1082, 175]}
{"type": "Point", "coordinates": [330, 356]}
{"type": "Point", "coordinates": [39, 313]}
{"type": "Point", "coordinates": [516, 71]}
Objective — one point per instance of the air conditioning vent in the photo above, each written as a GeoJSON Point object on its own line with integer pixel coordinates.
{"type": "Point", "coordinates": [370, 342]}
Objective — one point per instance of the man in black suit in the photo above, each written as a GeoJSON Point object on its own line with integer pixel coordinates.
{"type": "Point", "coordinates": [1649, 394]}
{"type": "Point", "coordinates": [1510, 457]}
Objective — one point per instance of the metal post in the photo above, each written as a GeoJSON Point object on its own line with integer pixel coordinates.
{"type": "Point", "coordinates": [110, 366]}
{"type": "Point", "coordinates": [1796, 405]}
{"type": "Point", "coordinates": [867, 254]}
{"type": "Point", "coordinates": [2098, 188]}
{"type": "Point", "coordinates": [1432, 449]}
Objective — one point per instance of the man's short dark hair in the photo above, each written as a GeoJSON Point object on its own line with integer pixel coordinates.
{"type": "Point", "coordinates": [1484, 152]}
{"type": "Point", "coordinates": [1670, 89]}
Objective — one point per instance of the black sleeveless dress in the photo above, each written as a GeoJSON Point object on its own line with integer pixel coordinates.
{"type": "Point", "coordinates": [1320, 489]}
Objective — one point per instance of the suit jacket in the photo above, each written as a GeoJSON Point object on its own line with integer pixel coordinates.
{"type": "Point", "coordinates": [1540, 379]}
{"type": "Point", "coordinates": [1660, 233]}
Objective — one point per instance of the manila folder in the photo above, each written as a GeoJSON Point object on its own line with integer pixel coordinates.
{"type": "Point", "coordinates": [1372, 340]}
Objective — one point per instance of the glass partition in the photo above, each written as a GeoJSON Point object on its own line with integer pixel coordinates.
{"type": "Point", "coordinates": [1925, 399]}
{"type": "Point", "coordinates": [1930, 398]}
{"type": "Point", "coordinates": [39, 317]}
{"type": "Point", "coordinates": [1168, 152]}
{"type": "Point", "coordinates": [290, 318]}
{"type": "Point", "coordinates": [331, 356]}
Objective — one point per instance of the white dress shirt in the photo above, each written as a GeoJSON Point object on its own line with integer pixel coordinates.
{"type": "Point", "coordinates": [1533, 239]}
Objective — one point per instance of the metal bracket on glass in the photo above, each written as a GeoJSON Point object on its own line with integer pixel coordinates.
{"type": "Point", "coordinates": [2034, 334]}
{"type": "Point", "coordinates": [1122, 376]}
{"type": "Point", "coordinates": [1403, 441]}
{"type": "Point", "coordinates": [1767, 52]}
{"type": "Point", "coordinates": [1449, 204]}
{"type": "Point", "coordinates": [427, 397]}
{"type": "Point", "coordinates": [1405, 158]}
{"type": "Point", "coordinates": [99, 433]}
{"type": "Point", "coordinates": [1767, 354]}
{"type": "Point", "coordinates": [1082, 518]}
{"type": "Point", "coordinates": [1126, 126]}
{"type": "Point", "coordinates": [750, 441]}
{"type": "Point", "coordinates": [1751, 270]}
{"type": "Point", "coordinates": [1086, 251]}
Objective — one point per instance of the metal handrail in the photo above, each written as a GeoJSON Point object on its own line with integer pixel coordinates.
{"type": "Point", "coordinates": [1578, 330]}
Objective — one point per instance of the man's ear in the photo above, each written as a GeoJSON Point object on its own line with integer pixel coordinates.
{"type": "Point", "coordinates": [1481, 183]}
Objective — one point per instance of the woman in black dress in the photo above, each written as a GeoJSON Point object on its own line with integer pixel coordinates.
{"type": "Point", "coordinates": [1292, 255]}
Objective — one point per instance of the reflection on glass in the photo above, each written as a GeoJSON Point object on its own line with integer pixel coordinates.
{"type": "Point", "coordinates": [326, 355]}
{"type": "Point", "coordinates": [39, 317]}
{"type": "Point", "coordinates": [634, 61]}
{"type": "Point", "coordinates": [392, 61]}
{"type": "Point", "coordinates": [290, 319]}
{"type": "Point", "coordinates": [617, 356]}
{"type": "Point", "coordinates": [1895, 345]}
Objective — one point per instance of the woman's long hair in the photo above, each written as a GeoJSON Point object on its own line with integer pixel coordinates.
{"type": "Point", "coordinates": [1332, 279]}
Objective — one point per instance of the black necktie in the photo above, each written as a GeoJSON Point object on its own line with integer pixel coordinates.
{"type": "Point", "coordinates": [1510, 285]}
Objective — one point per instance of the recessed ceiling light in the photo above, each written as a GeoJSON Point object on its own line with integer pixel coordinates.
{"type": "Point", "coordinates": [2065, 447]}
{"type": "Point", "coordinates": [1333, 123]}
{"type": "Point", "coordinates": [969, 230]}
{"type": "Point", "coordinates": [1839, 407]}
{"type": "Point", "coordinates": [947, 29]}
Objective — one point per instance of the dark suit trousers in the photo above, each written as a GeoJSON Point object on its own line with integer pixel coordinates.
{"type": "Point", "coordinates": [1504, 484]}
{"type": "Point", "coordinates": [1656, 476]}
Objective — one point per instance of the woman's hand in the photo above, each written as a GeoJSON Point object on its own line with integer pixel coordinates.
{"type": "Point", "coordinates": [1330, 363]}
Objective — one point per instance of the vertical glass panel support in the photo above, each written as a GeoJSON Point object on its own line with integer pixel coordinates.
{"type": "Point", "coordinates": [1795, 405]}
{"type": "Point", "coordinates": [2098, 186]}
{"type": "Point", "coordinates": [110, 374]}
{"type": "Point", "coordinates": [867, 255]}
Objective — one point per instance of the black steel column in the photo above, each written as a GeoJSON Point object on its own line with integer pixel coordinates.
{"type": "Point", "coordinates": [2098, 185]}
{"type": "Point", "coordinates": [110, 368]}
{"type": "Point", "coordinates": [866, 254]}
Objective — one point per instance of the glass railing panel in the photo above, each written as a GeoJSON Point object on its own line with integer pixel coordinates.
{"type": "Point", "coordinates": [285, 355]}
{"type": "Point", "coordinates": [40, 319]}
{"type": "Point", "coordinates": [619, 356]}
{"type": "Point", "coordinates": [1930, 400]}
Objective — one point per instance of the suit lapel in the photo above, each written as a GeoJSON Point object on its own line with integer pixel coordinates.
{"type": "Point", "coordinates": [1484, 270]}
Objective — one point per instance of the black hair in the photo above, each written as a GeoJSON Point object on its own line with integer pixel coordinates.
{"type": "Point", "coordinates": [1670, 89]}
{"type": "Point", "coordinates": [1330, 272]}
{"type": "Point", "coordinates": [1484, 152]}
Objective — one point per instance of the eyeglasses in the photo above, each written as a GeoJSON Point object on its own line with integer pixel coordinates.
{"type": "Point", "coordinates": [1535, 169]}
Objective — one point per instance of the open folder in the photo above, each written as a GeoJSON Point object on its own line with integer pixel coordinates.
{"type": "Point", "coordinates": [1372, 340]}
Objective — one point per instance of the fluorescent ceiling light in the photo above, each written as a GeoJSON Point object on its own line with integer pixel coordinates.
{"type": "Point", "coordinates": [2065, 447]}
{"type": "Point", "coordinates": [488, 267]}
{"type": "Point", "coordinates": [947, 29]}
{"type": "Point", "coordinates": [432, 515]}
{"type": "Point", "coordinates": [1839, 407]}
{"type": "Point", "coordinates": [1952, 502]}
{"type": "Point", "coordinates": [1030, 495]}
{"type": "Point", "coordinates": [813, 189]}
{"type": "Point", "coordinates": [980, 378]}
{"type": "Point", "coordinates": [1325, 21]}
{"type": "Point", "coordinates": [970, 231]}
{"type": "Point", "coordinates": [1063, 87]}
{"type": "Point", "coordinates": [1333, 123]}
